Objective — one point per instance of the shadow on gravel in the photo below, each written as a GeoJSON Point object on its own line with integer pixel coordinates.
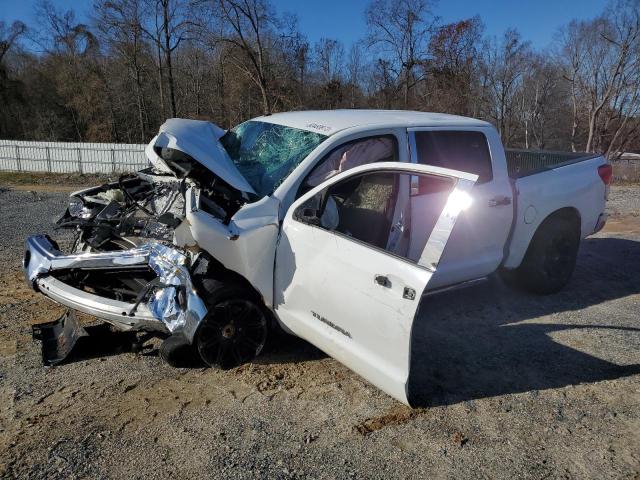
{"type": "Point", "coordinates": [284, 348]}
{"type": "Point", "coordinates": [469, 344]}
{"type": "Point", "coordinates": [103, 341]}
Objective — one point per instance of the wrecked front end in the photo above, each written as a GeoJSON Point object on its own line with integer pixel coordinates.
{"type": "Point", "coordinates": [146, 246]}
{"type": "Point", "coordinates": [133, 261]}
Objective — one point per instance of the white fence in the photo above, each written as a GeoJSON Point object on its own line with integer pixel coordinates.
{"type": "Point", "coordinates": [69, 157]}
{"type": "Point", "coordinates": [627, 168]}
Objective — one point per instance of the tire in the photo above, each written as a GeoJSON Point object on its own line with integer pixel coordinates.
{"type": "Point", "coordinates": [236, 327]}
{"type": "Point", "coordinates": [179, 353]}
{"type": "Point", "coordinates": [551, 257]}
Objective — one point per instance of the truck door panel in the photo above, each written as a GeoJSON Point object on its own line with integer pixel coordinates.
{"type": "Point", "coordinates": [476, 246]}
{"type": "Point", "coordinates": [350, 290]}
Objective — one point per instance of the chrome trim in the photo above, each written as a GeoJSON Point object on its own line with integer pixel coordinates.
{"type": "Point", "coordinates": [113, 311]}
{"type": "Point", "coordinates": [41, 257]}
{"type": "Point", "coordinates": [173, 306]}
{"type": "Point", "coordinates": [439, 237]}
{"type": "Point", "coordinates": [170, 266]}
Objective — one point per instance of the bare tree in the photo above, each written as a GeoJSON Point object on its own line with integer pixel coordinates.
{"type": "Point", "coordinates": [120, 22]}
{"type": "Point", "coordinates": [401, 30]}
{"type": "Point", "coordinates": [355, 74]}
{"type": "Point", "coordinates": [10, 91]}
{"type": "Point", "coordinates": [453, 66]}
{"type": "Point", "coordinates": [602, 65]}
{"type": "Point", "coordinates": [294, 62]}
{"type": "Point", "coordinates": [75, 49]}
{"type": "Point", "coordinates": [541, 98]}
{"type": "Point", "coordinates": [503, 66]}
{"type": "Point", "coordinates": [171, 26]}
{"type": "Point", "coordinates": [329, 55]}
{"type": "Point", "coordinates": [248, 28]}
{"type": "Point", "coordinates": [195, 71]}
{"type": "Point", "coordinates": [8, 36]}
{"type": "Point", "coordinates": [571, 56]}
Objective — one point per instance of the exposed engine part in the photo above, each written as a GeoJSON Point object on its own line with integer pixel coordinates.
{"type": "Point", "coordinates": [110, 216]}
{"type": "Point", "coordinates": [144, 206]}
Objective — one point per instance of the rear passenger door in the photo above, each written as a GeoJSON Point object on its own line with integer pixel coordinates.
{"type": "Point", "coordinates": [476, 246]}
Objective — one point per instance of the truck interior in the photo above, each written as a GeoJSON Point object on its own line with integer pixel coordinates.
{"type": "Point", "coordinates": [391, 211]}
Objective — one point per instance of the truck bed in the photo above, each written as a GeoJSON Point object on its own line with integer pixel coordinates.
{"type": "Point", "coordinates": [561, 181]}
{"type": "Point", "coordinates": [522, 163]}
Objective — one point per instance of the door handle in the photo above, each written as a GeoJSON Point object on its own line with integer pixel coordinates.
{"type": "Point", "coordinates": [382, 280]}
{"type": "Point", "coordinates": [499, 201]}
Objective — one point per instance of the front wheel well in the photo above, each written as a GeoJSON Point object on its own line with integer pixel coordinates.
{"type": "Point", "coordinates": [207, 267]}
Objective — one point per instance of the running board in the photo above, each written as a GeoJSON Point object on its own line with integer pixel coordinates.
{"type": "Point", "coordinates": [456, 286]}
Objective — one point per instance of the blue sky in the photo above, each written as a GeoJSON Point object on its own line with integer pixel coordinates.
{"type": "Point", "coordinates": [537, 20]}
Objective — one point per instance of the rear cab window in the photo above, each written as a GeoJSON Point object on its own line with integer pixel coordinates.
{"type": "Point", "coordinates": [466, 151]}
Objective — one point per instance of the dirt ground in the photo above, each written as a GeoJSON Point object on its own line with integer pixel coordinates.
{"type": "Point", "coordinates": [512, 386]}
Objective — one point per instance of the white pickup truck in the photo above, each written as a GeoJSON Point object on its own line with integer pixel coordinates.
{"type": "Point", "coordinates": [329, 224]}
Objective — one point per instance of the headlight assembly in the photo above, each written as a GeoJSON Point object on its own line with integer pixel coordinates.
{"type": "Point", "coordinates": [77, 208]}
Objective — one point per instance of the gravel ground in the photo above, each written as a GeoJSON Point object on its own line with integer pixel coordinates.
{"type": "Point", "coordinates": [513, 385]}
{"type": "Point", "coordinates": [624, 201]}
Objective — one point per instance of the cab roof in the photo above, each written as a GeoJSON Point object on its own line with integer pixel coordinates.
{"type": "Point", "coordinates": [329, 122]}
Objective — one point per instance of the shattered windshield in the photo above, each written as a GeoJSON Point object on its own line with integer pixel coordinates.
{"type": "Point", "coordinates": [265, 153]}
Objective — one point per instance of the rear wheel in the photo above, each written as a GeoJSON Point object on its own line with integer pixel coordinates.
{"type": "Point", "coordinates": [551, 257]}
{"type": "Point", "coordinates": [235, 329]}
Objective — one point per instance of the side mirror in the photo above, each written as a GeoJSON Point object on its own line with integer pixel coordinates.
{"type": "Point", "coordinates": [308, 216]}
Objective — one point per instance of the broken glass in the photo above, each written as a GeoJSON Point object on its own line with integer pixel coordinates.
{"type": "Point", "coordinates": [265, 153]}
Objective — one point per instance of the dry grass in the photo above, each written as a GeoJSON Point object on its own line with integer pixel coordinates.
{"type": "Point", "coordinates": [71, 179]}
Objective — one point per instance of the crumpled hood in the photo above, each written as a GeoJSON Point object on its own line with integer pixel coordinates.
{"type": "Point", "coordinates": [201, 141]}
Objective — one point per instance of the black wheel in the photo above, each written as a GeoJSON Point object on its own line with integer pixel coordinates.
{"type": "Point", "coordinates": [551, 257]}
{"type": "Point", "coordinates": [235, 330]}
{"type": "Point", "coordinates": [178, 352]}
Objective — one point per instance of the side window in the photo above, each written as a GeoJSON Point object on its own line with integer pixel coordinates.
{"type": "Point", "coordinates": [458, 150]}
{"type": "Point", "coordinates": [358, 152]}
{"type": "Point", "coordinates": [378, 209]}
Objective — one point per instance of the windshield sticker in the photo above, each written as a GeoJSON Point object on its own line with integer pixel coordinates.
{"type": "Point", "coordinates": [316, 126]}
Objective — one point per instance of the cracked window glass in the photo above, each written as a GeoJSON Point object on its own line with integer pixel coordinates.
{"type": "Point", "coordinates": [266, 153]}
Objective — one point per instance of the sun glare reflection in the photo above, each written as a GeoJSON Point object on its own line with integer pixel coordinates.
{"type": "Point", "coordinates": [458, 201]}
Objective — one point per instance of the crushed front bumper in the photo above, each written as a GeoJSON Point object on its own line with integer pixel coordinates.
{"type": "Point", "coordinates": [171, 304]}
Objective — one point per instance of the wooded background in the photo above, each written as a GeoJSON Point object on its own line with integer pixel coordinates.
{"type": "Point", "coordinates": [134, 63]}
